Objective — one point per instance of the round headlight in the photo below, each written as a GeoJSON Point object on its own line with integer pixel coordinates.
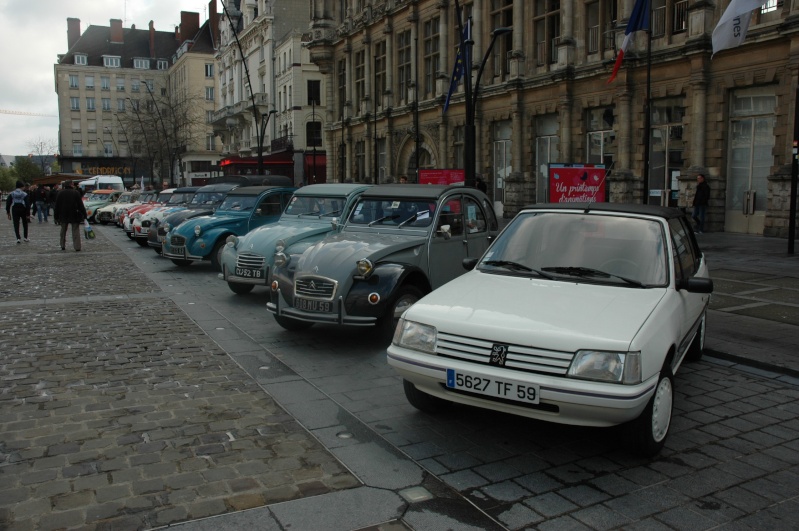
{"type": "Point", "coordinates": [365, 267]}
{"type": "Point", "coordinates": [137, 215]}
{"type": "Point", "coordinates": [197, 230]}
{"type": "Point", "coordinates": [232, 240]}
{"type": "Point", "coordinates": [167, 227]}
{"type": "Point", "coordinates": [281, 259]}
{"type": "Point", "coordinates": [280, 246]}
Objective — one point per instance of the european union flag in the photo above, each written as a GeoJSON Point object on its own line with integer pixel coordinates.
{"type": "Point", "coordinates": [457, 72]}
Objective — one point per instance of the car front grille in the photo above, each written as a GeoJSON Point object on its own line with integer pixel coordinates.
{"type": "Point", "coordinates": [146, 223]}
{"type": "Point", "coordinates": [177, 241]}
{"type": "Point", "coordinates": [517, 357]}
{"type": "Point", "coordinates": [250, 260]}
{"type": "Point", "coordinates": [315, 288]}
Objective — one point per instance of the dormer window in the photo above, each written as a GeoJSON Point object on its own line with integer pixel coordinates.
{"type": "Point", "coordinates": [163, 64]}
{"type": "Point", "coordinates": [141, 64]}
{"type": "Point", "coordinates": [111, 61]}
{"type": "Point", "coordinates": [81, 59]}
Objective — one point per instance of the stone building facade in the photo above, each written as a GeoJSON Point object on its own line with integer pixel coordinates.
{"type": "Point", "coordinates": [544, 98]}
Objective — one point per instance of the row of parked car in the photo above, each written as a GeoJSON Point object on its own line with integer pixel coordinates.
{"type": "Point", "coordinates": [578, 314]}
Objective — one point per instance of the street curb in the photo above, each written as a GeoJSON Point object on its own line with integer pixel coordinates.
{"type": "Point", "coordinates": [740, 360]}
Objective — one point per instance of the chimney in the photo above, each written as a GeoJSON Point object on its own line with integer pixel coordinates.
{"type": "Point", "coordinates": [116, 31]}
{"type": "Point", "coordinates": [189, 25]}
{"type": "Point", "coordinates": [214, 18]}
{"type": "Point", "coordinates": [152, 39]}
{"type": "Point", "coordinates": [73, 31]}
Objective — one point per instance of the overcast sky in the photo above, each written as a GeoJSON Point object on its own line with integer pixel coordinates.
{"type": "Point", "coordinates": [34, 32]}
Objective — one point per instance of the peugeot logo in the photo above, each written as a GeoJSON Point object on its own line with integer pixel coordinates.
{"type": "Point", "coordinates": [499, 354]}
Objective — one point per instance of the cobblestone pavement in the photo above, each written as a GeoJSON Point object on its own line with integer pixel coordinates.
{"type": "Point", "coordinates": [731, 461]}
{"type": "Point", "coordinates": [119, 412]}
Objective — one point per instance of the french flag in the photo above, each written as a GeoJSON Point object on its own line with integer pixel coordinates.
{"type": "Point", "coordinates": [639, 20]}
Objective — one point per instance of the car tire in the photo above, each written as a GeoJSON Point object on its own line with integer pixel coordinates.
{"type": "Point", "coordinates": [142, 242]}
{"type": "Point", "coordinates": [240, 289]}
{"type": "Point", "coordinates": [422, 401]}
{"type": "Point", "coordinates": [292, 325]}
{"type": "Point", "coordinates": [697, 346]}
{"type": "Point", "coordinates": [647, 434]}
{"type": "Point", "coordinates": [405, 297]}
{"type": "Point", "coordinates": [157, 250]}
{"type": "Point", "coordinates": [180, 262]}
{"type": "Point", "coordinates": [216, 255]}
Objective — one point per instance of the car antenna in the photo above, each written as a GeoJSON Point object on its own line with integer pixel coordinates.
{"type": "Point", "coordinates": [584, 177]}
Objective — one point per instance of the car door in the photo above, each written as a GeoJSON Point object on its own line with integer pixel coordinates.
{"type": "Point", "coordinates": [686, 265]}
{"type": "Point", "coordinates": [268, 209]}
{"type": "Point", "coordinates": [477, 226]}
{"type": "Point", "coordinates": [447, 248]}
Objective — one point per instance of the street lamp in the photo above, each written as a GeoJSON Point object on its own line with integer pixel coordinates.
{"type": "Point", "coordinates": [470, 158]}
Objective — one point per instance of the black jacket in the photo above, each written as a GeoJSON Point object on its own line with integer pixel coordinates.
{"type": "Point", "coordinates": [69, 207]}
{"type": "Point", "coordinates": [702, 195]}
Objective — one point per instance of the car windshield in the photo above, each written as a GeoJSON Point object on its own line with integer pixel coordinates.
{"type": "Point", "coordinates": [596, 247]}
{"type": "Point", "coordinates": [207, 198]}
{"type": "Point", "coordinates": [238, 203]}
{"type": "Point", "coordinates": [164, 197]}
{"type": "Point", "coordinates": [315, 206]}
{"type": "Point", "coordinates": [393, 212]}
{"type": "Point", "coordinates": [124, 198]}
{"type": "Point", "coordinates": [179, 198]}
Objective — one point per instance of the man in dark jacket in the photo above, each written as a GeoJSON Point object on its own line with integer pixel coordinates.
{"type": "Point", "coordinates": [69, 210]}
{"type": "Point", "coordinates": [18, 209]}
{"type": "Point", "coordinates": [701, 199]}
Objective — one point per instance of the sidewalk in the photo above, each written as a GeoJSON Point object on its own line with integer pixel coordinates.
{"type": "Point", "coordinates": [754, 311]}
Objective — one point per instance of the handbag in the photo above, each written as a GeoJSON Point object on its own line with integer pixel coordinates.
{"type": "Point", "coordinates": [87, 230]}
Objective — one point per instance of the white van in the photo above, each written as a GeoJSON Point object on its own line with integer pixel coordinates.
{"type": "Point", "coordinates": [102, 182]}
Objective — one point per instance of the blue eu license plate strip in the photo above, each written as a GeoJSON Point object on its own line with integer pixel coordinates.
{"type": "Point", "coordinates": [451, 378]}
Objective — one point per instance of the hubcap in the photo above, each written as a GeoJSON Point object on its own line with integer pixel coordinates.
{"type": "Point", "coordinates": [661, 409]}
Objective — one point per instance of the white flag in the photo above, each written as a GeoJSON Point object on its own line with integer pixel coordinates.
{"type": "Point", "coordinates": [734, 23]}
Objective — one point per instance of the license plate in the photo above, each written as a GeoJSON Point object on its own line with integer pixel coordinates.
{"type": "Point", "coordinates": [480, 384]}
{"type": "Point", "coordinates": [249, 273]}
{"type": "Point", "coordinates": [313, 306]}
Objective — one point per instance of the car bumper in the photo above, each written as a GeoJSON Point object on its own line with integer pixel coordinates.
{"type": "Point", "coordinates": [178, 253]}
{"type": "Point", "coordinates": [337, 316]}
{"type": "Point", "coordinates": [561, 400]}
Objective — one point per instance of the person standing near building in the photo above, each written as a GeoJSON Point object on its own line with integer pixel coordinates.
{"type": "Point", "coordinates": [18, 209]}
{"type": "Point", "coordinates": [701, 199]}
{"type": "Point", "coordinates": [42, 210]}
{"type": "Point", "coordinates": [69, 210]}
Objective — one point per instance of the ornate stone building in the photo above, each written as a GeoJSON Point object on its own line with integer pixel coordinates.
{"type": "Point", "coordinates": [544, 98]}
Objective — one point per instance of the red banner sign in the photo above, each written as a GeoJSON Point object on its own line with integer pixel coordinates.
{"type": "Point", "coordinates": [577, 183]}
{"type": "Point", "coordinates": [442, 176]}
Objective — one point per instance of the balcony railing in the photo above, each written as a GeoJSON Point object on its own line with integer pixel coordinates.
{"type": "Point", "coordinates": [680, 16]}
{"type": "Point", "coordinates": [283, 143]}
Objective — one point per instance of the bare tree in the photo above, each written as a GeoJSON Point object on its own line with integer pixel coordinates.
{"type": "Point", "coordinates": [42, 149]}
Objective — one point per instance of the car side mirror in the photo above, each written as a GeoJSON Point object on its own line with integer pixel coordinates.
{"type": "Point", "coordinates": [335, 223]}
{"type": "Point", "coordinates": [445, 231]}
{"type": "Point", "coordinates": [469, 263]}
{"type": "Point", "coordinates": [696, 285]}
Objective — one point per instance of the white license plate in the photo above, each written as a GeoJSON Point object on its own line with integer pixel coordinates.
{"type": "Point", "coordinates": [248, 273]}
{"type": "Point", "coordinates": [480, 384]}
{"type": "Point", "coordinates": [313, 306]}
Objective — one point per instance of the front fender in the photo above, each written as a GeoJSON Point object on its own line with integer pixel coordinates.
{"type": "Point", "coordinates": [203, 245]}
{"type": "Point", "coordinates": [384, 281]}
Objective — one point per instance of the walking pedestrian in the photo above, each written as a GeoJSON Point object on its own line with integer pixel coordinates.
{"type": "Point", "coordinates": [701, 199]}
{"type": "Point", "coordinates": [40, 196]}
{"type": "Point", "coordinates": [18, 209]}
{"type": "Point", "coordinates": [69, 210]}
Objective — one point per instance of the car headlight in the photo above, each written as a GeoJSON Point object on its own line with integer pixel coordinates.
{"type": "Point", "coordinates": [232, 241]}
{"type": "Point", "coordinates": [615, 367]}
{"type": "Point", "coordinates": [365, 267]}
{"type": "Point", "coordinates": [415, 336]}
{"type": "Point", "coordinates": [197, 230]}
{"type": "Point", "coordinates": [281, 259]}
{"type": "Point", "coordinates": [137, 215]}
{"type": "Point", "coordinates": [167, 227]}
{"type": "Point", "coordinates": [280, 246]}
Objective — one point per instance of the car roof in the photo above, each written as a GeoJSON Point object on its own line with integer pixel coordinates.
{"type": "Point", "coordinates": [255, 190]}
{"type": "Point", "coordinates": [221, 187]}
{"type": "Point", "coordinates": [416, 191]}
{"type": "Point", "coordinates": [624, 208]}
{"type": "Point", "coordinates": [104, 191]}
{"type": "Point", "coordinates": [184, 189]}
{"type": "Point", "coordinates": [327, 189]}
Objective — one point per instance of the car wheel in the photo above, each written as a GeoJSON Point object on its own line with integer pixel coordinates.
{"type": "Point", "coordinates": [216, 255]}
{"type": "Point", "coordinates": [129, 235]}
{"type": "Point", "coordinates": [141, 241]}
{"type": "Point", "coordinates": [240, 289]}
{"type": "Point", "coordinates": [292, 325]}
{"type": "Point", "coordinates": [422, 401]}
{"type": "Point", "coordinates": [157, 250]}
{"type": "Point", "coordinates": [697, 346]}
{"type": "Point", "coordinates": [405, 298]}
{"type": "Point", "coordinates": [646, 435]}
{"type": "Point", "coordinates": [180, 262]}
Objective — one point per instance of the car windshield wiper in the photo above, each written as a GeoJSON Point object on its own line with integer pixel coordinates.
{"type": "Point", "coordinates": [413, 218]}
{"type": "Point", "coordinates": [378, 220]}
{"type": "Point", "coordinates": [589, 272]}
{"type": "Point", "coordinates": [331, 213]}
{"type": "Point", "coordinates": [515, 266]}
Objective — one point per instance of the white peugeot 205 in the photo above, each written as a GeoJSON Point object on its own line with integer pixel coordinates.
{"type": "Point", "coordinates": [577, 314]}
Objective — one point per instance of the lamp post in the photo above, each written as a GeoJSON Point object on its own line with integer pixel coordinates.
{"type": "Point", "coordinates": [470, 159]}
{"type": "Point", "coordinates": [313, 120]}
